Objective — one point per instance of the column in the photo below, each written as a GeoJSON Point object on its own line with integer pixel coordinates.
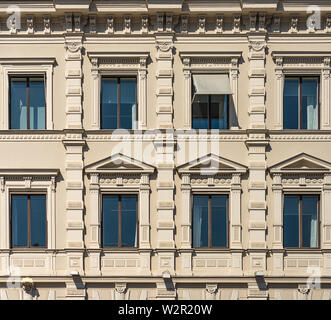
{"type": "Point", "coordinates": [74, 164]}
{"type": "Point", "coordinates": [256, 145]}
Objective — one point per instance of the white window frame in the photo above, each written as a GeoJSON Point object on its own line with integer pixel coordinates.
{"type": "Point", "coordinates": [303, 64]}
{"type": "Point", "coordinates": [118, 64]}
{"type": "Point", "coordinates": [120, 180]}
{"type": "Point", "coordinates": [210, 62]}
{"type": "Point", "coordinates": [299, 182]}
{"type": "Point", "coordinates": [216, 182]}
{"type": "Point", "coordinates": [27, 66]}
{"type": "Point", "coordinates": [27, 181]}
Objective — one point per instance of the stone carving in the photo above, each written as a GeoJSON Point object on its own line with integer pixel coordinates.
{"type": "Point", "coordinates": [261, 22]}
{"type": "Point", "coordinates": [211, 290]}
{"type": "Point", "coordinates": [144, 24]}
{"type": "Point", "coordinates": [236, 23]}
{"type": "Point", "coordinates": [29, 292]}
{"type": "Point", "coordinates": [30, 24]}
{"type": "Point", "coordinates": [219, 24]}
{"type": "Point", "coordinates": [93, 23]}
{"type": "Point", "coordinates": [252, 22]}
{"type": "Point", "coordinates": [127, 24]}
{"type": "Point", "coordinates": [328, 24]}
{"type": "Point", "coordinates": [77, 22]}
{"type": "Point", "coordinates": [159, 22]}
{"type": "Point", "coordinates": [110, 24]}
{"type": "Point", "coordinates": [276, 23]}
{"type": "Point", "coordinates": [202, 24]}
{"type": "Point", "coordinates": [257, 45]}
{"type": "Point", "coordinates": [294, 24]}
{"type": "Point", "coordinates": [68, 22]}
{"type": "Point", "coordinates": [184, 24]}
{"type": "Point", "coordinates": [73, 47]}
{"type": "Point", "coordinates": [164, 46]}
{"type": "Point", "coordinates": [169, 22]}
{"type": "Point", "coordinates": [120, 290]}
{"type": "Point", "coordinates": [47, 24]}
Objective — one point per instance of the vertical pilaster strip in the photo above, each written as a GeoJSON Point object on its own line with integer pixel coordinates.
{"type": "Point", "coordinates": [142, 94]}
{"type": "Point", "coordinates": [326, 93]}
{"type": "Point", "coordinates": [234, 86]}
{"type": "Point", "coordinates": [164, 146]}
{"type": "Point", "coordinates": [277, 241]}
{"type": "Point", "coordinates": [187, 93]}
{"type": "Point", "coordinates": [144, 226]}
{"type": "Point", "coordinates": [279, 94]}
{"type": "Point", "coordinates": [96, 93]}
{"type": "Point", "coordinates": [256, 145]}
{"type": "Point", "coordinates": [74, 144]}
{"type": "Point", "coordinates": [186, 225]}
{"type": "Point", "coordinates": [164, 76]}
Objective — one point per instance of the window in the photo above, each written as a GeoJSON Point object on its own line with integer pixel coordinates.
{"type": "Point", "coordinates": [301, 216]}
{"type": "Point", "coordinates": [301, 103]}
{"type": "Point", "coordinates": [210, 106]}
{"type": "Point", "coordinates": [27, 103]}
{"type": "Point", "coordinates": [118, 103]}
{"type": "Point", "coordinates": [210, 221]}
{"type": "Point", "coordinates": [28, 220]}
{"type": "Point", "coordinates": [119, 220]}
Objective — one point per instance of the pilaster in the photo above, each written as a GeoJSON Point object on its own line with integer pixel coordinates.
{"type": "Point", "coordinates": [256, 145]}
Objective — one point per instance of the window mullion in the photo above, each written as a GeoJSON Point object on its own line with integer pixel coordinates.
{"type": "Point", "coordinates": [28, 101]}
{"type": "Point", "coordinates": [119, 221]}
{"type": "Point", "coordinates": [118, 103]}
{"type": "Point", "coordinates": [29, 221]}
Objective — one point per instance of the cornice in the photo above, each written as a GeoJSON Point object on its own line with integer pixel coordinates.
{"type": "Point", "coordinates": [29, 172]}
{"type": "Point", "coordinates": [27, 60]}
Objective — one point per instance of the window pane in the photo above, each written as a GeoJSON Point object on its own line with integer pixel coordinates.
{"type": "Point", "coordinates": [310, 104]}
{"type": "Point", "coordinates": [18, 103]}
{"type": "Point", "coordinates": [291, 104]}
{"type": "Point", "coordinates": [110, 221]}
{"type": "Point", "coordinates": [200, 221]}
{"type": "Point", "coordinates": [291, 221]}
{"type": "Point", "coordinates": [309, 221]}
{"type": "Point", "coordinates": [19, 211]}
{"type": "Point", "coordinates": [37, 104]}
{"type": "Point", "coordinates": [109, 104]}
{"type": "Point", "coordinates": [218, 112]}
{"type": "Point", "coordinates": [200, 112]}
{"type": "Point", "coordinates": [129, 221]}
{"type": "Point", "coordinates": [38, 220]}
{"type": "Point", "coordinates": [219, 221]}
{"type": "Point", "coordinates": [128, 103]}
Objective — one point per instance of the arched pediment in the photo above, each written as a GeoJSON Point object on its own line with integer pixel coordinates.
{"type": "Point", "coordinates": [119, 163]}
{"type": "Point", "coordinates": [301, 163]}
{"type": "Point", "coordinates": [212, 164]}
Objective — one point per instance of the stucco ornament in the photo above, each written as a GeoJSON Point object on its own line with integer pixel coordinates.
{"type": "Point", "coordinates": [164, 46]}
{"type": "Point", "coordinates": [304, 289]}
{"type": "Point", "coordinates": [257, 45]}
{"type": "Point", "coordinates": [27, 284]}
{"type": "Point", "coordinates": [73, 47]}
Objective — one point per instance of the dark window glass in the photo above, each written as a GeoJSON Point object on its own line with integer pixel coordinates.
{"type": "Point", "coordinates": [210, 112]}
{"type": "Point", "coordinates": [28, 216]}
{"type": "Point", "coordinates": [301, 104]}
{"type": "Point", "coordinates": [118, 103]}
{"type": "Point", "coordinates": [119, 214]}
{"type": "Point", "coordinates": [301, 221]}
{"type": "Point", "coordinates": [27, 103]}
{"type": "Point", "coordinates": [210, 221]}
{"type": "Point", "coordinates": [291, 221]}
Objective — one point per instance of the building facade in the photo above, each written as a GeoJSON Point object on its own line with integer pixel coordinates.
{"type": "Point", "coordinates": [175, 149]}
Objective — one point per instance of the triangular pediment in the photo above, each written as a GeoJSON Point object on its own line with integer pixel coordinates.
{"type": "Point", "coordinates": [119, 163]}
{"type": "Point", "coordinates": [301, 163]}
{"type": "Point", "coordinates": [211, 163]}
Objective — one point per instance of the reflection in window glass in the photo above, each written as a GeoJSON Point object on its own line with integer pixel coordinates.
{"type": "Point", "coordinates": [118, 103]}
{"type": "Point", "coordinates": [28, 218]}
{"type": "Point", "coordinates": [27, 103]}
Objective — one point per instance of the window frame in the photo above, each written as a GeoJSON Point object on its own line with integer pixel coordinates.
{"type": "Point", "coordinates": [300, 195]}
{"type": "Point", "coordinates": [118, 77]}
{"type": "Point", "coordinates": [29, 194]}
{"type": "Point", "coordinates": [209, 109]}
{"type": "Point", "coordinates": [301, 77]}
{"type": "Point", "coordinates": [119, 245]}
{"type": "Point", "coordinates": [209, 220]}
{"type": "Point", "coordinates": [27, 77]}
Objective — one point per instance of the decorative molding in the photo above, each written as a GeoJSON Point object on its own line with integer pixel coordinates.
{"type": "Point", "coordinates": [202, 25]}
{"type": "Point", "coordinates": [110, 25]}
{"type": "Point", "coordinates": [222, 62]}
{"type": "Point", "coordinates": [219, 23]}
{"type": "Point", "coordinates": [30, 24]}
{"type": "Point", "coordinates": [16, 66]}
{"type": "Point", "coordinates": [184, 24]}
{"type": "Point", "coordinates": [118, 63]}
{"type": "Point", "coordinates": [47, 24]}
{"type": "Point", "coordinates": [127, 24]}
{"type": "Point", "coordinates": [294, 24]}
